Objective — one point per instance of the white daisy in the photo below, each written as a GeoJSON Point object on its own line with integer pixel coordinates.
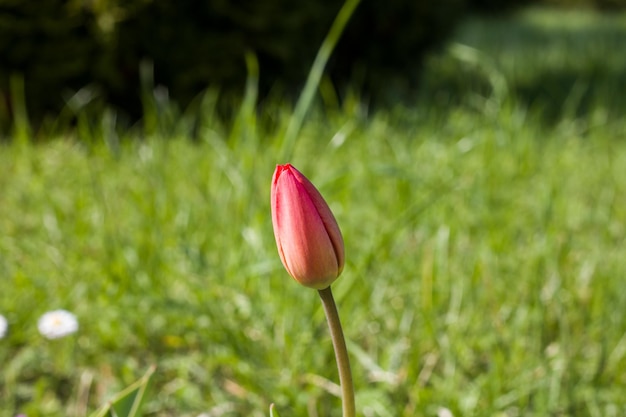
{"type": "Point", "coordinates": [3, 326]}
{"type": "Point", "coordinates": [56, 324]}
{"type": "Point", "coordinates": [444, 412]}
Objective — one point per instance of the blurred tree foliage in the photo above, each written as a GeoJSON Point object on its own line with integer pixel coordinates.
{"type": "Point", "coordinates": [60, 46]}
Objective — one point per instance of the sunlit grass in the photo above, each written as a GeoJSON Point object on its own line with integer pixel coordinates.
{"type": "Point", "coordinates": [484, 265]}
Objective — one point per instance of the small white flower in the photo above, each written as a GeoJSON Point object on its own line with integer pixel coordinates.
{"type": "Point", "coordinates": [56, 324]}
{"type": "Point", "coordinates": [3, 326]}
{"type": "Point", "coordinates": [444, 412]}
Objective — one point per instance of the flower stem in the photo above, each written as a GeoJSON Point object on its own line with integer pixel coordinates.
{"type": "Point", "coordinates": [341, 352]}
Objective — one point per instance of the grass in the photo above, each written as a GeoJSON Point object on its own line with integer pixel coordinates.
{"type": "Point", "coordinates": [484, 246]}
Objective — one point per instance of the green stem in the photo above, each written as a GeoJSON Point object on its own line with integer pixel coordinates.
{"type": "Point", "coordinates": [341, 352]}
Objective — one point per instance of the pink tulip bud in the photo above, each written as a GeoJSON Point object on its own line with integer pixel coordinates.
{"type": "Point", "coordinates": [307, 235]}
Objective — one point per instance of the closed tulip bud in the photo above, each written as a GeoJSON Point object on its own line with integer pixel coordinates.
{"type": "Point", "coordinates": [308, 238]}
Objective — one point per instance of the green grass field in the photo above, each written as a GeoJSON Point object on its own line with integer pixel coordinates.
{"type": "Point", "coordinates": [485, 229]}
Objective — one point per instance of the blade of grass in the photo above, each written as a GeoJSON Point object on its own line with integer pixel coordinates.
{"type": "Point", "coordinates": [314, 77]}
{"type": "Point", "coordinates": [128, 402]}
{"type": "Point", "coordinates": [21, 125]}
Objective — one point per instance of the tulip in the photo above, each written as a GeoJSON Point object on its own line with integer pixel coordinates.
{"type": "Point", "coordinates": [308, 238]}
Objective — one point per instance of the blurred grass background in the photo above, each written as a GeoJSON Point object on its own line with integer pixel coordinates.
{"type": "Point", "coordinates": [484, 227]}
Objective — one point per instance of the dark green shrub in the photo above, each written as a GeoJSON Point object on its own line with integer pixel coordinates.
{"type": "Point", "coordinates": [63, 45]}
{"type": "Point", "coordinates": [386, 43]}
{"type": "Point", "coordinates": [60, 46]}
{"type": "Point", "coordinates": [52, 44]}
{"type": "Point", "coordinates": [603, 5]}
{"type": "Point", "coordinates": [496, 6]}
{"type": "Point", "coordinates": [198, 43]}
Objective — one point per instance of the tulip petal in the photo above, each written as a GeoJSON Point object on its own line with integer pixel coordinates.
{"type": "Point", "coordinates": [328, 219]}
{"type": "Point", "coordinates": [307, 235]}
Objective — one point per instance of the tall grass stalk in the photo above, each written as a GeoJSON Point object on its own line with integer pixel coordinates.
{"type": "Point", "coordinates": [21, 125]}
{"type": "Point", "coordinates": [313, 80]}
